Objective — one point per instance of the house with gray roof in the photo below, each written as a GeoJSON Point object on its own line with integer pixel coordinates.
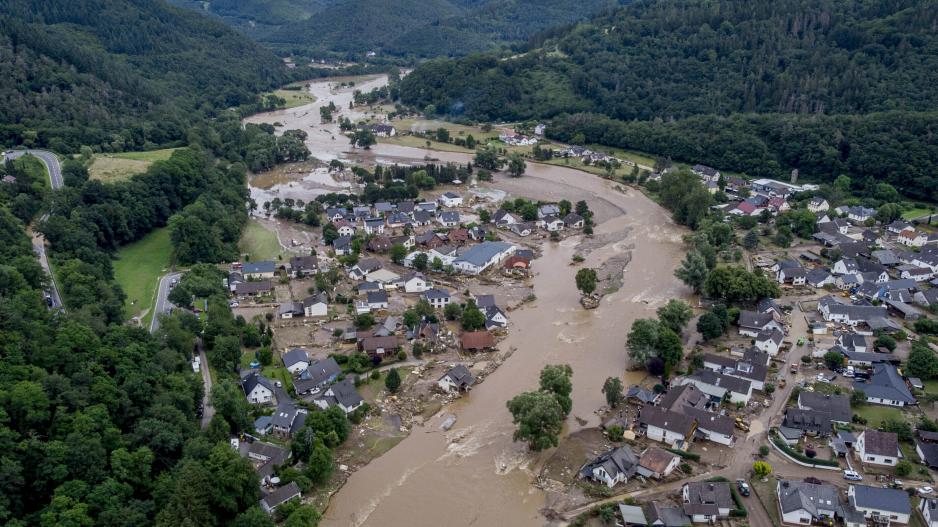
{"type": "Point", "coordinates": [283, 420]}
{"type": "Point", "coordinates": [658, 515]}
{"type": "Point", "coordinates": [707, 501]}
{"type": "Point", "coordinates": [807, 503]}
{"type": "Point", "coordinates": [751, 323]}
{"type": "Point", "coordinates": [837, 405]}
{"type": "Point", "coordinates": [886, 387]}
{"type": "Point", "coordinates": [342, 394]}
{"type": "Point", "coordinates": [296, 360]}
{"type": "Point", "coordinates": [612, 467]}
{"type": "Point", "coordinates": [929, 509]}
{"type": "Point", "coordinates": [893, 505]}
{"type": "Point", "coordinates": [754, 372]}
{"type": "Point", "coordinates": [669, 427]}
{"type": "Point", "coordinates": [719, 386]}
{"type": "Point", "coordinates": [257, 388]}
{"type": "Point", "coordinates": [279, 496]}
{"type": "Point", "coordinates": [258, 270]}
{"type": "Point", "coordinates": [457, 379]}
{"type": "Point", "coordinates": [876, 447]}
{"type": "Point", "coordinates": [317, 376]}
{"type": "Point", "coordinates": [812, 422]}
{"type": "Point", "coordinates": [483, 256]}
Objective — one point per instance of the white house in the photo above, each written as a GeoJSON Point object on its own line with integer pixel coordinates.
{"type": "Point", "coordinates": [719, 386]}
{"type": "Point", "coordinates": [457, 379]}
{"type": "Point", "coordinates": [342, 394]}
{"type": "Point", "coordinates": [912, 238]}
{"type": "Point", "coordinates": [874, 447]}
{"type": "Point", "coordinates": [450, 199]}
{"type": "Point", "coordinates": [770, 341]}
{"type": "Point", "coordinates": [296, 360]}
{"type": "Point", "coordinates": [885, 505]}
{"type": "Point", "coordinates": [257, 388]}
{"type": "Point", "coordinates": [415, 283]}
{"type": "Point", "coordinates": [438, 298]}
{"type": "Point", "coordinates": [806, 503]}
{"type": "Point", "coordinates": [258, 270]}
{"type": "Point", "coordinates": [818, 205]}
{"type": "Point", "coordinates": [929, 509]}
{"type": "Point", "coordinates": [707, 501]}
{"type": "Point", "coordinates": [860, 214]}
{"type": "Point", "coordinates": [666, 426]}
{"type": "Point", "coordinates": [316, 306]}
{"type": "Point", "coordinates": [551, 223]}
{"type": "Point", "coordinates": [377, 300]}
{"type": "Point", "coordinates": [482, 256]}
{"type": "Point", "coordinates": [610, 468]}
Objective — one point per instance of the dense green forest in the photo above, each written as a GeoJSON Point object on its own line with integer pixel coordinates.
{"type": "Point", "coordinates": [122, 74]}
{"type": "Point", "coordinates": [761, 87]}
{"type": "Point", "coordinates": [423, 28]}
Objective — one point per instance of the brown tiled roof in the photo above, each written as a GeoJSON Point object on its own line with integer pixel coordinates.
{"type": "Point", "coordinates": [477, 340]}
{"type": "Point", "coordinates": [656, 459]}
{"type": "Point", "coordinates": [881, 443]}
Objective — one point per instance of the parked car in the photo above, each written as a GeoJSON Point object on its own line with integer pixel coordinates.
{"type": "Point", "coordinates": [852, 476]}
{"type": "Point", "coordinates": [925, 490]}
{"type": "Point", "coordinates": [743, 487]}
{"type": "Point", "coordinates": [233, 303]}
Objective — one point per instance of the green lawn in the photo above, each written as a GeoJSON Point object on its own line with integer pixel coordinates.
{"type": "Point", "coordinates": [911, 214]}
{"type": "Point", "coordinates": [138, 268]}
{"type": "Point", "coordinates": [259, 243]}
{"type": "Point", "coordinates": [876, 414]}
{"type": "Point", "coordinates": [296, 98]}
{"type": "Point", "coordinates": [931, 386]}
{"type": "Point", "coordinates": [122, 165]}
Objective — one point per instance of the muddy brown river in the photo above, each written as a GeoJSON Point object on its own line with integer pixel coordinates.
{"type": "Point", "coordinates": [475, 474]}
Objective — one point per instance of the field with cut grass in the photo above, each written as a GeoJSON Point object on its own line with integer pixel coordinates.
{"type": "Point", "coordinates": [876, 414]}
{"type": "Point", "coordinates": [295, 98]}
{"type": "Point", "coordinates": [259, 243]}
{"type": "Point", "coordinates": [118, 167]}
{"type": "Point", "coordinates": [138, 268]}
{"type": "Point", "coordinates": [911, 214]}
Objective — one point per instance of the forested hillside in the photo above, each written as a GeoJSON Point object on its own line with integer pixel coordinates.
{"type": "Point", "coordinates": [127, 74]}
{"type": "Point", "coordinates": [425, 28]}
{"type": "Point", "coordinates": [792, 61]}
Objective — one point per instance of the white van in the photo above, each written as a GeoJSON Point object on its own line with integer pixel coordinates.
{"type": "Point", "coordinates": [850, 372]}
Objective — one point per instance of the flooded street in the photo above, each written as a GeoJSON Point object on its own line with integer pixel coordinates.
{"type": "Point", "coordinates": [474, 474]}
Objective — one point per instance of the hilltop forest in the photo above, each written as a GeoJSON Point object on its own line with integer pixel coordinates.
{"type": "Point", "coordinates": [761, 87]}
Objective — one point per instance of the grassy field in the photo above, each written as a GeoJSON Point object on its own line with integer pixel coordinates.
{"type": "Point", "coordinates": [931, 385]}
{"type": "Point", "coordinates": [911, 214]}
{"type": "Point", "coordinates": [765, 492]}
{"type": "Point", "coordinates": [876, 414]}
{"type": "Point", "coordinates": [296, 98]}
{"type": "Point", "coordinates": [259, 243]}
{"type": "Point", "coordinates": [138, 268]}
{"type": "Point", "coordinates": [118, 167]}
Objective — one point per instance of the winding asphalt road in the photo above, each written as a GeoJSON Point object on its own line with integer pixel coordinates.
{"type": "Point", "coordinates": [54, 169]}
{"type": "Point", "coordinates": [162, 299]}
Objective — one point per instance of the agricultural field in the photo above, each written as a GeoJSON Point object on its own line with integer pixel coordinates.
{"type": "Point", "coordinates": [120, 166]}
{"type": "Point", "coordinates": [138, 268]}
{"type": "Point", "coordinates": [295, 98]}
{"type": "Point", "coordinates": [259, 243]}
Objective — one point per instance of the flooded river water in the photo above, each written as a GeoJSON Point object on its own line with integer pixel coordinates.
{"type": "Point", "coordinates": [475, 474]}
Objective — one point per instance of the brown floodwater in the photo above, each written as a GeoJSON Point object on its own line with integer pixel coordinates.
{"type": "Point", "coordinates": [475, 474]}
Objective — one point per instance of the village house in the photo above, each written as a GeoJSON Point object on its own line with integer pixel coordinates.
{"type": "Point", "coordinates": [712, 426]}
{"type": "Point", "coordinates": [837, 406]}
{"type": "Point", "coordinates": [342, 394]}
{"type": "Point", "coordinates": [657, 463]}
{"type": "Point", "coordinates": [818, 205]}
{"type": "Point", "coordinates": [415, 283]}
{"type": "Point", "coordinates": [859, 214]}
{"type": "Point", "coordinates": [382, 130]}
{"type": "Point", "coordinates": [318, 375]}
{"type": "Point", "coordinates": [279, 496]}
{"type": "Point", "coordinates": [803, 503]}
{"type": "Point", "coordinates": [479, 258]}
{"type": "Point", "coordinates": [365, 266]}
{"type": "Point", "coordinates": [476, 341]}
{"type": "Point", "coordinates": [672, 428]}
{"type": "Point", "coordinates": [874, 447]}
{"type": "Point", "coordinates": [929, 509]}
{"type": "Point", "coordinates": [448, 218]}
{"type": "Point", "coordinates": [706, 173]}
{"type": "Point", "coordinates": [345, 228]}
{"type": "Point", "coordinates": [342, 245]}
{"type": "Point", "coordinates": [522, 229]}
{"type": "Point", "coordinates": [379, 244]}
{"type": "Point", "coordinates": [879, 504]}
{"type": "Point", "coordinates": [574, 221]}
{"type": "Point", "coordinates": [316, 305]}
{"type": "Point", "coordinates": [753, 371]}
{"type": "Point", "coordinates": [457, 379]}
{"type": "Point", "coordinates": [551, 224]}
{"type": "Point", "coordinates": [612, 467]}
{"type": "Point", "coordinates": [660, 516]}
{"type": "Point", "coordinates": [252, 289]}
{"type": "Point", "coordinates": [286, 420]}
{"type": "Point", "coordinates": [379, 346]}
{"type": "Point", "coordinates": [770, 341]}
{"type": "Point", "coordinates": [751, 323]}
{"type": "Point", "coordinates": [926, 446]}
{"type": "Point", "coordinates": [450, 200]}
{"type": "Point", "coordinates": [374, 225]}
{"type": "Point", "coordinates": [257, 388]}
{"type": "Point", "coordinates": [706, 502]}
{"type": "Point", "coordinates": [438, 298]}
{"type": "Point", "coordinates": [258, 270]}
{"type": "Point", "coordinates": [718, 386]}
{"type": "Point", "coordinates": [377, 300]}
{"type": "Point", "coordinates": [885, 387]}
{"type": "Point", "coordinates": [301, 266]}
{"type": "Point", "coordinates": [504, 219]}
{"type": "Point", "coordinates": [811, 422]}
{"type": "Point", "coordinates": [548, 209]}
{"type": "Point", "coordinates": [296, 360]}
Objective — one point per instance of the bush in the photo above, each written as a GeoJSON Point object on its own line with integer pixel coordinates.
{"type": "Point", "coordinates": [764, 450]}
{"type": "Point", "coordinates": [903, 468]}
{"type": "Point", "coordinates": [615, 432]}
{"type": "Point", "coordinates": [805, 359]}
{"type": "Point", "coordinates": [686, 468]}
{"type": "Point", "coordinates": [402, 355]}
{"type": "Point", "coordinates": [375, 375]}
{"type": "Point", "coordinates": [686, 455]}
{"type": "Point", "coordinates": [810, 453]}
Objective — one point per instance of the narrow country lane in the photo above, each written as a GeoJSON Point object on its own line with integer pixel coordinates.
{"type": "Point", "coordinates": [54, 169]}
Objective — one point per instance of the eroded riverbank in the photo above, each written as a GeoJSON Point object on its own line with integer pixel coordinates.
{"type": "Point", "coordinates": [475, 474]}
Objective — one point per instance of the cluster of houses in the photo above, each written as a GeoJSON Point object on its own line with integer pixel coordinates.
{"type": "Point", "coordinates": [813, 503]}
{"type": "Point", "coordinates": [549, 218]}
{"type": "Point", "coordinates": [254, 279]}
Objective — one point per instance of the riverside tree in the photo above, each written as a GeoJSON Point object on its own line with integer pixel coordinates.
{"type": "Point", "coordinates": [675, 315]}
{"type": "Point", "coordinates": [586, 280]}
{"type": "Point", "coordinates": [612, 389]}
{"type": "Point", "coordinates": [516, 165]}
{"type": "Point", "coordinates": [540, 414]}
{"type": "Point", "coordinates": [393, 381]}
{"type": "Point", "coordinates": [693, 271]}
